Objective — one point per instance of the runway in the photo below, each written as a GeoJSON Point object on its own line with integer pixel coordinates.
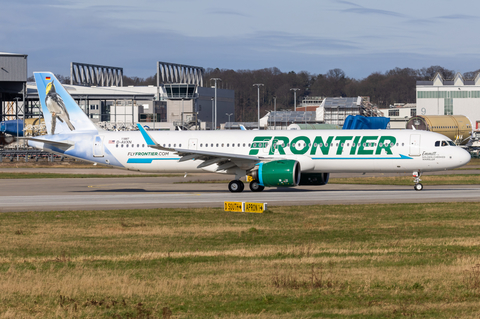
{"type": "Point", "coordinates": [162, 192]}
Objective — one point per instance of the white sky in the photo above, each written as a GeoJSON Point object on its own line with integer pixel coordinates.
{"type": "Point", "coordinates": [360, 37]}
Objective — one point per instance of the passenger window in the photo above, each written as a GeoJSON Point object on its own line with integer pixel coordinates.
{"type": "Point", "coordinates": [117, 145]}
{"type": "Point", "coordinates": [228, 145]}
{"type": "Point", "coordinates": [122, 145]}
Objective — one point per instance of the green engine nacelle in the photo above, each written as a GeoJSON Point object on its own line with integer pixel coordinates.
{"type": "Point", "coordinates": [314, 178]}
{"type": "Point", "coordinates": [278, 173]}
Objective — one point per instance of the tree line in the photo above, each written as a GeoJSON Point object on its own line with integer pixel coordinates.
{"type": "Point", "coordinates": [394, 86]}
{"type": "Point", "coordinates": [384, 89]}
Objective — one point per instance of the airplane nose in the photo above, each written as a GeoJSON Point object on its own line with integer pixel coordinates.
{"type": "Point", "coordinates": [463, 156]}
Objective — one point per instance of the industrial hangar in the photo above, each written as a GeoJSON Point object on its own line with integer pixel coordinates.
{"type": "Point", "coordinates": [459, 96]}
{"type": "Point", "coordinates": [180, 100]}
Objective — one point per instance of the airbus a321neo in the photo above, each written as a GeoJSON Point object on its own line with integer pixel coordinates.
{"type": "Point", "coordinates": [269, 158]}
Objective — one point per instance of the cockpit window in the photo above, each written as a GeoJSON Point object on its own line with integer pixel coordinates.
{"type": "Point", "coordinates": [437, 143]}
{"type": "Point", "coordinates": [451, 143]}
{"type": "Point", "coordinates": [444, 143]}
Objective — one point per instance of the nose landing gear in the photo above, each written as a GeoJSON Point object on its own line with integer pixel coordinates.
{"type": "Point", "coordinates": [418, 186]}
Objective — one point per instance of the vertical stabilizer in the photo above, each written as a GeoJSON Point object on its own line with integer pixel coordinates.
{"type": "Point", "coordinates": [61, 113]}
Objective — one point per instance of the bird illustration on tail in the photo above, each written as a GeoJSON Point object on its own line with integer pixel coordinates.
{"type": "Point", "coordinates": [57, 108]}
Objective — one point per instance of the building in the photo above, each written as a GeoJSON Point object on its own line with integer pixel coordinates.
{"type": "Point", "coordinates": [320, 110]}
{"type": "Point", "coordinates": [399, 114]}
{"type": "Point", "coordinates": [458, 96]}
{"type": "Point", "coordinates": [13, 76]}
{"type": "Point", "coordinates": [179, 100]}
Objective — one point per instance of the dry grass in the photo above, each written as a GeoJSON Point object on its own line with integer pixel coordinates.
{"type": "Point", "coordinates": [315, 261]}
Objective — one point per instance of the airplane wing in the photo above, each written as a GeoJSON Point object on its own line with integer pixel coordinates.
{"type": "Point", "coordinates": [224, 160]}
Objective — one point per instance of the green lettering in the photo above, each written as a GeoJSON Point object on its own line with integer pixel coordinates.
{"type": "Point", "coordinates": [364, 143]}
{"type": "Point", "coordinates": [256, 146]}
{"type": "Point", "coordinates": [354, 145]}
{"type": "Point", "coordinates": [342, 140]}
{"type": "Point", "coordinates": [318, 142]}
{"type": "Point", "coordinates": [295, 141]}
{"type": "Point", "coordinates": [278, 144]}
{"type": "Point", "coordinates": [385, 143]}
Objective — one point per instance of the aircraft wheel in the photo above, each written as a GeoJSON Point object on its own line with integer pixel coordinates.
{"type": "Point", "coordinates": [256, 187]}
{"type": "Point", "coordinates": [418, 187]}
{"type": "Point", "coordinates": [236, 186]}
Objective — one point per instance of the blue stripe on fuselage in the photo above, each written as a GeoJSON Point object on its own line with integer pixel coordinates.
{"type": "Point", "coordinates": [149, 160]}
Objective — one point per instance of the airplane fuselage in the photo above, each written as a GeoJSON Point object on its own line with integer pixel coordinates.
{"type": "Point", "coordinates": [265, 158]}
{"type": "Point", "coordinates": [317, 151]}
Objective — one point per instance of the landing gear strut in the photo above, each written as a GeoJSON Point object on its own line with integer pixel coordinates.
{"type": "Point", "coordinates": [418, 186]}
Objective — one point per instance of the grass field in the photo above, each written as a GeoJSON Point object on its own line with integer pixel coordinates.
{"type": "Point", "coordinates": [343, 261]}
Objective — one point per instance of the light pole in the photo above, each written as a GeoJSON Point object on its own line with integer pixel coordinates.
{"type": "Point", "coordinates": [229, 114]}
{"type": "Point", "coordinates": [212, 115]}
{"type": "Point", "coordinates": [258, 85]}
{"type": "Point", "coordinates": [215, 79]}
{"type": "Point", "coordinates": [274, 112]}
{"type": "Point", "coordinates": [16, 111]}
{"type": "Point", "coordinates": [294, 98]}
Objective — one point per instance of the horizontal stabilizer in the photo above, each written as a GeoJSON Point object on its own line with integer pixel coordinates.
{"type": "Point", "coordinates": [41, 140]}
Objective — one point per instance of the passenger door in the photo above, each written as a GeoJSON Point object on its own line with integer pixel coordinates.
{"type": "Point", "coordinates": [98, 146]}
{"type": "Point", "coordinates": [415, 145]}
{"type": "Point", "coordinates": [192, 144]}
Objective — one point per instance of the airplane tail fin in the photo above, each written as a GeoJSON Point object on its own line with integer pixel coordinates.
{"type": "Point", "coordinates": [60, 111]}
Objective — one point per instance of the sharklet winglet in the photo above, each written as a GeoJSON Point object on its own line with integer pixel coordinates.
{"type": "Point", "coordinates": [150, 141]}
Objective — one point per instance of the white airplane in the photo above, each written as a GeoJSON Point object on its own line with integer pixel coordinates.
{"type": "Point", "coordinates": [264, 158]}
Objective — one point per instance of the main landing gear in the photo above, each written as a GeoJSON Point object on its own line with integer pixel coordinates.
{"type": "Point", "coordinates": [237, 186]}
{"type": "Point", "coordinates": [255, 186]}
{"type": "Point", "coordinates": [418, 186]}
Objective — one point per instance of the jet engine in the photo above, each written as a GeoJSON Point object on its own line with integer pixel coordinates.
{"type": "Point", "coordinates": [283, 173]}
